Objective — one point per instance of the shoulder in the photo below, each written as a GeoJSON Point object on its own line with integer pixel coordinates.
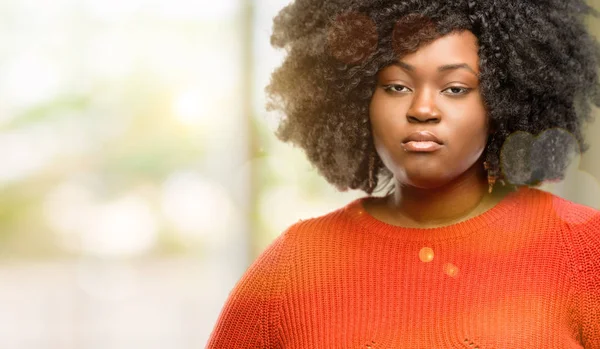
{"type": "Point", "coordinates": [330, 221]}
{"type": "Point", "coordinates": [581, 232]}
{"type": "Point", "coordinates": [580, 225]}
{"type": "Point", "coordinates": [306, 230]}
{"type": "Point", "coordinates": [575, 216]}
{"type": "Point", "coordinates": [569, 214]}
{"type": "Point", "coordinates": [311, 237]}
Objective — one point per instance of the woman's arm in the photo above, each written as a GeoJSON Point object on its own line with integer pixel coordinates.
{"type": "Point", "coordinates": [249, 317]}
{"type": "Point", "coordinates": [586, 239]}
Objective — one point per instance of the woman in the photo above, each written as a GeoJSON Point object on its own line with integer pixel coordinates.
{"type": "Point", "coordinates": [442, 101]}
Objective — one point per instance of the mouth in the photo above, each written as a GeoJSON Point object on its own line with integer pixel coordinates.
{"type": "Point", "coordinates": [422, 141]}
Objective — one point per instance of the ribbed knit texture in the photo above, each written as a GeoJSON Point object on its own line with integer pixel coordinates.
{"type": "Point", "coordinates": [524, 274]}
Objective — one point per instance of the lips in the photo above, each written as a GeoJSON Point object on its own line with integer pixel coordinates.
{"type": "Point", "coordinates": [421, 141]}
{"type": "Point", "coordinates": [422, 136]}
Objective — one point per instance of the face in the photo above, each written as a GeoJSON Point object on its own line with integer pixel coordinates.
{"type": "Point", "coordinates": [427, 115]}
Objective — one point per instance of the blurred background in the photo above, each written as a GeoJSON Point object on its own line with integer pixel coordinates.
{"type": "Point", "coordinates": [139, 176]}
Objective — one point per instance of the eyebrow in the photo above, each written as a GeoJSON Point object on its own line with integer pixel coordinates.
{"type": "Point", "coordinates": [440, 69]}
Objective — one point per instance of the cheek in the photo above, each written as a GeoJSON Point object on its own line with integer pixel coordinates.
{"type": "Point", "coordinates": [382, 130]}
{"type": "Point", "coordinates": [477, 131]}
{"type": "Point", "coordinates": [474, 137]}
{"type": "Point", "coordinates": [386, 125]}
{"type": "Point", "coordinates": [386, 116]}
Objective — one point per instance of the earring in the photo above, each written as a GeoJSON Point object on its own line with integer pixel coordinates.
{"type": "Point", "coordinates": [371, 169]}
{"type": "Point", "coordinates": [491, 177]}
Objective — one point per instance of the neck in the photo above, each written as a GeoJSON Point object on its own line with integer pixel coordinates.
{"type": "Point", "coordinates": [463, 198]}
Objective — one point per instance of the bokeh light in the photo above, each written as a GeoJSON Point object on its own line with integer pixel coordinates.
{"type": "Point", "coordinates": [200, 210]}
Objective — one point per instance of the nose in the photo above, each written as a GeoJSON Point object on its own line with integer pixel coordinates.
{"type": "Point", "coordinates": [423, 109]}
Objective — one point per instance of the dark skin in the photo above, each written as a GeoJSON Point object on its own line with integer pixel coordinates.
{"type": "Point", "coordinates": [433, 90]}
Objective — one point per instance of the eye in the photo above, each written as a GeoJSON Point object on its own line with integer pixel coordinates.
{"type": "Point", "coordinates": [395, 88]}
{"type": "Point", "coordinates": [461, 90]}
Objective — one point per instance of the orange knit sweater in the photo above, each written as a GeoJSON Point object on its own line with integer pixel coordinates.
{"type": "Point", "coordinates": [524, 274]}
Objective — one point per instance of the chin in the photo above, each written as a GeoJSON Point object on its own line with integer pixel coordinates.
{"type": "Point", "coordinates": [434, 176]}
{"type": "Point", "coordinates": [422, 182]}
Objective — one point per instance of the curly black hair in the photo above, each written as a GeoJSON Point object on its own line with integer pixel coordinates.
{"type": "Point", "coordinates": [538, 75]}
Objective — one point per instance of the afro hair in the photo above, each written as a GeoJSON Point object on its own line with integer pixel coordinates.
{"type": "Point", "coordinates": [538, 79]}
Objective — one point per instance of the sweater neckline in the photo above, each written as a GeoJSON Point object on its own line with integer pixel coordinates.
{"type": "Point", "coordinates": [373, 225]}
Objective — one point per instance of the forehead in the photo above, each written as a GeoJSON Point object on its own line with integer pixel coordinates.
{"type": "Point", "coordinates": [454, 48]}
